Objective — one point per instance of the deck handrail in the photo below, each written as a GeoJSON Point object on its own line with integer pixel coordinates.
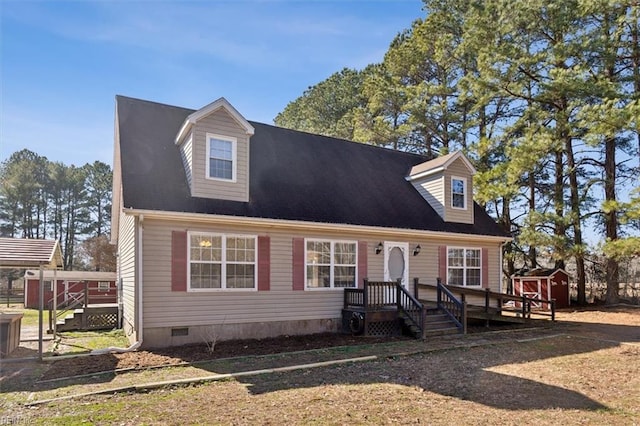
{"type": "Point", "coordinates": [501, 300]}
{"type": "Point", "coordinates": [454, 308]}
{"type": "Point", "coordinates": [411, 307]}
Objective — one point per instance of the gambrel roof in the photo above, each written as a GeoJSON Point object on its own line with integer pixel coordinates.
{"type": "Point", "coordinates": [294, 176]}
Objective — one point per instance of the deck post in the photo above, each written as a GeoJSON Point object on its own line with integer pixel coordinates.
{"type": "Point", "coordinates": [365, 295]}
{"type": "Point", "coordinates": [553, 309]}
{"type": "Point", "coordinates": [524, 307]}
{"type": "Point", "coordinates": [439, 292]}
{"type": "Point", "coordinates": [464, 314]}
{"type": "Point", "coordinates": [487, 301]}
{"type": "Point", "coordinates": [416, 281]}
{"type": "Point", "coordinates": [86, 294]}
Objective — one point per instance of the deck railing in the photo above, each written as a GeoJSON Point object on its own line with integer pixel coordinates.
{"type": "Point", "coordinates": [498, 302]}
{"type": "Point", "coordinates": [454, 308]}
{"type": "Point", "coordinates": [386, 295]}
{"type": "Point", "coordinates": [412, 309]}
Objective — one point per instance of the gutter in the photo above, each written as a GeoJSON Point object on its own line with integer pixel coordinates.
{"type": "Point", "coordinates": [139, 227]}
{"type": "Point", "coordinates": [366, 230]}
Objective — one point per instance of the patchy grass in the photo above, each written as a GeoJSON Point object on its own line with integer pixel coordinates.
{"type": "Point", "coordinates": [73, 342]}
{"type": "Point", "coordinates": [580, 372]}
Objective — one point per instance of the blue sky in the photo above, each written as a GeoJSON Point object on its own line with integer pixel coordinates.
{"type": "Point", "coordinates": [63, 62]}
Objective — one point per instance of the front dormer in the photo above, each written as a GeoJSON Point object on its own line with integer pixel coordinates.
{"type": "Point", "coordinates": [447, 184]}
{"type": "Point", "coordinates": [214, 145]}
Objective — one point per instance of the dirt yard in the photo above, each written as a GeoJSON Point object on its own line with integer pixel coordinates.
{"type": "Point", "coordinates": [583, 369]}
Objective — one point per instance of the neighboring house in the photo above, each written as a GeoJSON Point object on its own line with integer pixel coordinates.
{"type": "Point", "coordinates": [99, 287]}
{"type": "Point", "coordinates": [247, 230]}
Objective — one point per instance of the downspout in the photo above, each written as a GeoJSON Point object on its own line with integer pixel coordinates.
{"type": "Point", "coordinates": [139, 223]}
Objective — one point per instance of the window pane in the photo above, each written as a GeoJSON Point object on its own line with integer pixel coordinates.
{"type": "Point", "coordinates": [473, 258]}
{"type": "Point", "coordinates": [456, 257]}
{"type": "Point", "coordinates": [458, 200]}
{"type": "Point", "coordinates": [220, 149]}
{"type": "Point", "coordinates": [344, 276]}
{"type": "Point", "coordinates": [455, 277]}
{"type": "Point", "coordinates": [240, 249]}
{"type": "Point", "coordinates": [318, 276]}
{"type": "Point", "coordinates": [240, 276]}
{"type": "Point", "coordinates": [473, 277]}
{"type": "Point", "coordinates": [222, 169]}
{"type": "Point", "coordinates": [457, 191]}
{"type": "Point", "coordinates": [318, 252]}
{"type": "Point", "coordinates": [458, 186]}
{"type": "Point", "coordinates": [206, 248]}
{"type": "Point", "coordinates": [345, 253]}
{"type": "Point", "coordinates": [205, 275]}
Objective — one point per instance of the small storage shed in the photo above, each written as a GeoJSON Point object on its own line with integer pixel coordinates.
{"type": "Point", "coordinates": [543, 284]}
{"type": "Point", "coordinates": [99, 287]}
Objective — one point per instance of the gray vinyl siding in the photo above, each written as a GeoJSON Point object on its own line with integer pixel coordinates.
{"type": "Point", "coordinates": [126, 262]}
{"type": "Point", "coordinates": [459, 169]}
{"type": "Point", "coordinates": [165, 308]}
{"type": "Point", "coordinates": [432, 189]}
{"type": "Point", "coordinates": [220, 123]}
{"type": "Point", "coordinates": [186, 153]}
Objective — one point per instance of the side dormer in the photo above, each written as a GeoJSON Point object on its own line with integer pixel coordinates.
{"type": "Point", "coordinates": [447, 184]}
{"type": "Point", "coordinates": [214, 145]}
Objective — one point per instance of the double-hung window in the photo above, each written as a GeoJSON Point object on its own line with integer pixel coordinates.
{"type": "Point", "coordinates": [463, 266]}
{"type": "Point", "coordinates": [458, 188]}
{"type": "Point", "coordinates": [218, 262]}
{"type": "Point", "coordinates": [221, 157]}
{"type": "Point", "coordinates": [330, 264]}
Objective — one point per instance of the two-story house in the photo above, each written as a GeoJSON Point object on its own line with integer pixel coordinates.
{"type": "Point", "coordinates": [257, 229]}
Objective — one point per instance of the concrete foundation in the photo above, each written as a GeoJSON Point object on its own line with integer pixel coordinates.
{"type": "Point", "coordinates": [176, 336]}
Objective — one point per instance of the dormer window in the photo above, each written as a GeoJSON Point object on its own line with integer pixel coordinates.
{"type": "Point", "coordinates": [221, 157]}
{"type": "Point", "coordinates": [458, 190]}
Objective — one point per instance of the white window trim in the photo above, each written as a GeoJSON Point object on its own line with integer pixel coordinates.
{"type": "Point", "coordinates": [464, 267]}
{"type": "Point", "coordinates": [332, 265]}
{"type": "Point", "coordinates": [223, 263]}
{"type": "Point", "coordinates": [234, 156]}
{"type": "Point", "coordinates": [108, 285]}
{"type": "Point", "coordinates": [464, 182]}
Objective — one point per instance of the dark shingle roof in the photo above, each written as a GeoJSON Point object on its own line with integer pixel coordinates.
{"type": "Point", "coordinates": [293, 176]}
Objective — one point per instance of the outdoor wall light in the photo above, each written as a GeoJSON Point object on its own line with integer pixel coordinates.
{"type": "Point", "coordinates": [416, 250]}
{"type": "Point", "coordinates": [379, 248]}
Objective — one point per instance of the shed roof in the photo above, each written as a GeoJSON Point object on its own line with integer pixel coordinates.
{"type": "Point", "coordinates": [30, 253]}
{"type": "Point", "coordinates": [293, 176]}
{"type": "Point", "coordinates": [73, 275]}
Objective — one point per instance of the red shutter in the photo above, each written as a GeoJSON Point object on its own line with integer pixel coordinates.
{"type": "Point", "coordinates": [442, 263]}
{"type": "Point", "coordinates": [264, 263]}
{"type": "Point", "coordinates": [362, 263]}
{"type": "Point", "coordinates": [179, 261]}
{"type": "Point", "coordinates": [484, 273]}
{"type": "Point", "coordinates": [298, 263]}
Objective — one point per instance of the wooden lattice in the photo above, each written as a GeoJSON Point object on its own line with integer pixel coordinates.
{"type": "Point", "coordinates": [102, 321]}
{"type": "Point", "coordinates": [382, 328]}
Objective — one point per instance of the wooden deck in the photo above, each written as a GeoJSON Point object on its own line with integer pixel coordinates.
{"type": "Point", "coordinates": [487, 305]}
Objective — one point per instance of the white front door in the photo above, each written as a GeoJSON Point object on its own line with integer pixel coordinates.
{"type": "Point", "coordinates": [396, 262]}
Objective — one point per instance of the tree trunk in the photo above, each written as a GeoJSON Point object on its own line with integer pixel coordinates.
{"type": "Point", "coordinates": [558, 202]}
{"type": "Point", "coordinates": [611, 219]}
{"type": "Point", "coordinates": [575, 216]}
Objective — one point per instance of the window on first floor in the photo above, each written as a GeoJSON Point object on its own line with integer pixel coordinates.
{"type": "Point", "coordinates": [104, 285]}
{"type": "Point", "coordinates": [218, 262]}
{"type": "Point", "coordinates": [463, 266]}
{"type": "Point", "coordinates": [330, 264]}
